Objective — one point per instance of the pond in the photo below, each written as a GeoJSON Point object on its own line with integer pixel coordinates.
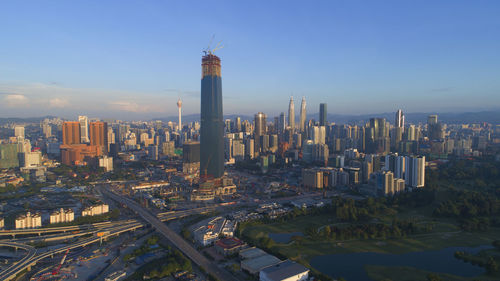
{"type": "Point", "coordinates": [284, 237]}
{"type": "Point", "coordinates": [351, 266]}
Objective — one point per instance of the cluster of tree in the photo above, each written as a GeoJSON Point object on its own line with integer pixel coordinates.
{"type": "Point", "coordinates": [145, 248]}
{"type": "Point", "coordinates": [467, 204]}
{"type": "Point", "coordinates": [173, 262]}
{"type": "Point", "coordinates": [398, 228]}
{"type": "Point", "coordinates": [475, 224]}
{"type": "Point", "coordinates": [418, 198]}
{"type": "Point", "coordinates": [489, 262]}
{"type": "Point", "coordinates": [350, 210]}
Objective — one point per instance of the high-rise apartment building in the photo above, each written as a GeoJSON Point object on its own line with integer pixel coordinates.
{"type": "Point", "coordinates": [415, 171]}
{"type": "Point", "coordinates": [303, 115]}
{"type": "Point", "coordinates": [84, 129]}
{"type": "Point", "coordinates": [99, 135]}
{"type": "Point", "coordinates": [322, 114]}
{"type": "Point", "coordinates": [71, 132]}
{"type": "Point", "coordinates": [212, 125]}
{"type": "Point", "coordinates": [291, 114]}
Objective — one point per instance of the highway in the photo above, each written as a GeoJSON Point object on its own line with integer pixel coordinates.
{"type": "Point", "coordinates": [173, 237]}
{"type": "Point", "coordinates": [19, 266]}
{"type": "Point", "coordinates": [40, 231]}
{"type": "Point", "coordinates": [31, 258]}
{"type": "Point", "coordinates": [110, 228]}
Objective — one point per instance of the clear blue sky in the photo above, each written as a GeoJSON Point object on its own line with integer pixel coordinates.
{"type": "Point", "coordinates": [133, 59]}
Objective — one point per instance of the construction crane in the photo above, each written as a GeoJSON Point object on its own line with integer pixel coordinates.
{"type": "Point", "coordinates": [209, 51]}
{"type": "Point", "coordinates": [54, 272]}
{"type": "Point", "coordinates": [58, 268]}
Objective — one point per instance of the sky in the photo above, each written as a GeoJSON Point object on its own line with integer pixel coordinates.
{"type": "Point", "coordinates": [134, 59]}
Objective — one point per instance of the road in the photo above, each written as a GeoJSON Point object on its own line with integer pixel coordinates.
{"type": "Point", "coordinates": [174, 238]}
{"type": "Point", "coordinates": [17, 267]}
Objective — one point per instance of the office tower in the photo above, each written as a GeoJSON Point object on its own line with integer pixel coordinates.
{"type": "Point", "coordinates": [212, 126]}
{"type": "Point", "coordinates": [400, 119]}
{"type": "Point", "coordinates": [19, 132]}
{"type": "Point", "coordinates": [71, 132]}
{"type": "Point", "coordinates": [238, 124]}
{"type": "Point", "coordinates": [260, 124]}
{"type": "Point", "coordinates": [302, 115]}
{"type": "Point", "coordinates": [291, 114]}
{"type": "Point", "coordinates": [282, 123]}
{"type": "Point", "coordinates": [322, 114]}
{"type": "Point", "coordinates": [84, 129]}
{"type": "Point", "coordinates": [415, 171]}
{"type": "Point", "coordinates": [434, 128]}
{"type": "Point", "coordinates": [179, 106]}
{"type": "Point", "coordinates": [99, 135]}
{"type": "Point", "coordinates": [260, 129]}
{"type": "Point", "coordinates": [432, 119]}
{"type": "Point", "coordinates": [318, 134]}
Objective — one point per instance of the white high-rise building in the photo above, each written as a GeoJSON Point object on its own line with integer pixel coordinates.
{"type": "Point", "coordinates": [415, 171]}
{"type": "Point", "coordinates": [19, 132]}
{"type": "Point", "coordinates": [291, 114]}
{"type": "Point", "coordinates": [84, 129]}
{"type": "Point", "coordinates": [303, 115]}
{"type": "Point", "coordinates": [28, 220]}
{"type": "Point", "coordinates": [62, 215]}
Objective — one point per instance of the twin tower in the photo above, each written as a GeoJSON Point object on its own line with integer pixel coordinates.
{"type": "Point", "coordinates": [212, 124]}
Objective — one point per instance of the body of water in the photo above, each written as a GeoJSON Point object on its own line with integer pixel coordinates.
{"type": "Point", "coordinates": [351, 266]}
{"type": "Point", "coordinates": [284, 237]}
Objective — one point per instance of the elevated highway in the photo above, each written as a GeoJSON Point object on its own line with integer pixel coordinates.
{"type": "Point", "coordinates": [174, 238]}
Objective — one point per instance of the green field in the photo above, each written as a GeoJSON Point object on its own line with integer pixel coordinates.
{"type": "Point", "coordinates": [445, 234]}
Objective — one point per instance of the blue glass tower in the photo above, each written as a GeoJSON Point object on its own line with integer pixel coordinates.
{"type": "Point", "coordinates": [212, 125]}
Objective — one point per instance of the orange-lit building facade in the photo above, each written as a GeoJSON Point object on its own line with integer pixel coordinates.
{"type": "Point", "coordinates": [71, 133]}
{"type": "Point", "coordinates": [75, 153]}
{"type": "Point", "coordinates": [99, 135]}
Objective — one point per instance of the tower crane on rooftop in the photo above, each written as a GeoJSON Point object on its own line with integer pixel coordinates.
{"type": "Point", "coordinates": [209, 50]}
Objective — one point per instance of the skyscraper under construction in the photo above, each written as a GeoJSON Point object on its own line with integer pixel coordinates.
{"type": "Point", "coordinates": [212, 125]}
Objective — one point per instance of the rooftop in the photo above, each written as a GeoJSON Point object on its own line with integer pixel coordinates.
{"type": "Point", "coordinates": [284, 270]}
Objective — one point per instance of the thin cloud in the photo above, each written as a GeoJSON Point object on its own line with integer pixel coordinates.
{"type": "Point", "coordinates": [16, 100]}
{"type": "Point", "coordinates": [58, 103]}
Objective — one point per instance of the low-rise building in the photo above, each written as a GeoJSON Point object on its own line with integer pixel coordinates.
{"type": "Point", "coordinates": [284, 271]}
{"type": "Point", "coordinates": [28, 220]}
{"type": "Point", "coordinates": [62, 215]}
{"type": "Point", "coordinates": [207, 232]}
{"type": "Point", "coordinates": [95, 210]}
{"type": "Point", "coordinates": [229, 246]}
{"type": "Point", "coordinates": [255, 265]}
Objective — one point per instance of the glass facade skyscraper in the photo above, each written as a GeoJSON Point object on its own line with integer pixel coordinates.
{"type": "Point", "coordinates": [322, 114]}
{"type": "Point", "coordinates": [212, 125]}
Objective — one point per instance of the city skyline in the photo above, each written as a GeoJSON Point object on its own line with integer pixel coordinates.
{"type": "Point", "coordinates": [361, 63]}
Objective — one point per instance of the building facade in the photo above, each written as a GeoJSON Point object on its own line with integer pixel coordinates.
{"type": "Point", "coordinates": [212, 125]}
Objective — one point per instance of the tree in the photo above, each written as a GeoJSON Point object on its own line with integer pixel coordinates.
{"type": "Point", "coordinates": [433, 277]}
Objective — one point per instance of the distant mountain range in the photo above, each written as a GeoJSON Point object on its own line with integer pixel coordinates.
{"type": "Point", "coordinates": [415, 118]}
